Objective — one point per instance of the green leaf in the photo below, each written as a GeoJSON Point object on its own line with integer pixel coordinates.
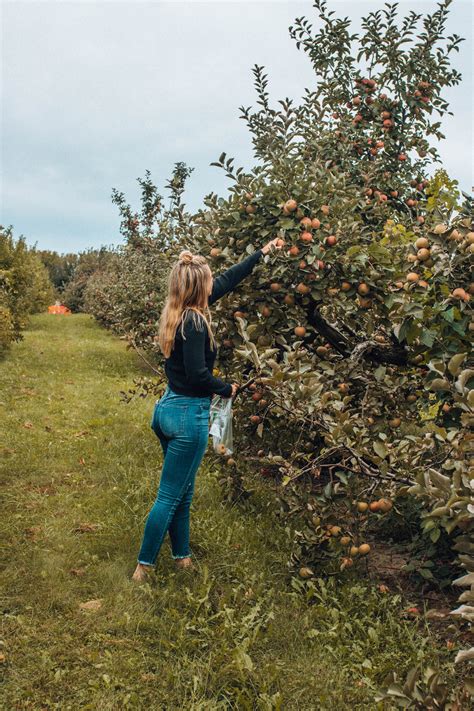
{"type": "Point", "coordinates": [425, 573]}
{"type": "Point", "coordinates": [404, 328]}
{"type": "Point", "coordinates": [455, 363]}
{"type": "Point", "coordinates": [380, 449]}
{"type": "Point", "coordinates": [342, 476]}
{"type": "Point", "coordinates": [448, 315]}
{"type": "Point", "coordinates": [439, 384]}
{"type": "Point", "coordinates": [352, 251]}
{"type": "Point", "coordinates": [380, 372]}
{"type": "Point", "coordinates": [427, 337]}
{"type": "Point", "coordinates": [286, 224]}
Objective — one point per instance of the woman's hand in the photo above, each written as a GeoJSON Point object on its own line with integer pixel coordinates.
{"type": "Point", "coordinates": [276, 243]}
{"type": "Point", "coordinates": [235, 387]}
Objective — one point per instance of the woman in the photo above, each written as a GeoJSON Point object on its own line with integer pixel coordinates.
{"type": "Point", "coordinates": [181, 417]}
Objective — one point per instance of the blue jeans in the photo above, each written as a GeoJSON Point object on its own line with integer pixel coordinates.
{"type": "Point", "coordinates": [181, 423]}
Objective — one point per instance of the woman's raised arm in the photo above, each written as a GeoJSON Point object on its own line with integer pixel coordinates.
{"type": "Point", "coordinates": [229, 279]}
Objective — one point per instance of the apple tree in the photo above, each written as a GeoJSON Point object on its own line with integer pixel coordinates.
{"type": "Point", "coordinates": [355, 335]}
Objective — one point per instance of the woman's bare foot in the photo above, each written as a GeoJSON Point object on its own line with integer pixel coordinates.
{"type": "Point", "coordinates": [142, 572]}
{"type": "Point", "coordinates": [184, 563]}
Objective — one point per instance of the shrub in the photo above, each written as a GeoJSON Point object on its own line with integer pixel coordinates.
{"type": "Point", "coordinates": [25, 287]}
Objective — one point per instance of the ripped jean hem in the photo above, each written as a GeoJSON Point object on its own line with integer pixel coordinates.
{"type": "Point", "coordinates": [177, 557]}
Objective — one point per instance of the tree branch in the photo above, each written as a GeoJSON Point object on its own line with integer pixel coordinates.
{"type": "Point", "coordinates": [395, 354]}
{"type": "Point", "coordinates": [140, 354]}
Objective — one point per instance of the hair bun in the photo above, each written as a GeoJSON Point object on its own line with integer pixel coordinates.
{"type": "Point", "coordinates": [185, 257]}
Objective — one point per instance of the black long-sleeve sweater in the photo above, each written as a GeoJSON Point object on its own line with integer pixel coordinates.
{"type": "Point", "coordinates": [189, 367]}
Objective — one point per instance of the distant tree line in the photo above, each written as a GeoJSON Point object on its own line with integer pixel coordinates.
{"type": "Point", "coordinates": [31, 279]}
{"type": "Point", "coordinates": [25, 286]}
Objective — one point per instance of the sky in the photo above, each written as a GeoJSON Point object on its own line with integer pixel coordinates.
{"type": "Point", "coordinates": [93, 93]}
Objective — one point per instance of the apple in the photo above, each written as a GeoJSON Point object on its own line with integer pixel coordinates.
{"type": "Point", "coordinates": [460, 293]}
{"type": "Point", "coordinates": [422, 243]}
{"type": "Point", "coordinates": [291, 205]}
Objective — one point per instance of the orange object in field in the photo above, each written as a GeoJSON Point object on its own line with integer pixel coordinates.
{"type": "Point", "coordinates": [58, 308]}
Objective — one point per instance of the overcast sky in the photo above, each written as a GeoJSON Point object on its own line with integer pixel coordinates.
{"type": "Point", "coordinates": [95, 92]}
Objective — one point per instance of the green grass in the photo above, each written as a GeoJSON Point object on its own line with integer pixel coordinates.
{"type": "Point", "coordinates": [238, 634]}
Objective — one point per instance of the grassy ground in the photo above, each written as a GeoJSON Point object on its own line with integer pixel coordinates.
{"type": "Point", "coordinates": [80, 472]}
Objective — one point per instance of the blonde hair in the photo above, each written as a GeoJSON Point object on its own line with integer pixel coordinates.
{"type": "Point", "coordinates": [187, 293]}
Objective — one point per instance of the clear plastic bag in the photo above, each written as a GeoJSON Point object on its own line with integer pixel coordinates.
{"type": "Point", "coordinates": [220, 418]}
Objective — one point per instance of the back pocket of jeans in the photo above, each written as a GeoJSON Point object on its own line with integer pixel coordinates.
{"type": "Point", "coordinates": [172, 420]}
